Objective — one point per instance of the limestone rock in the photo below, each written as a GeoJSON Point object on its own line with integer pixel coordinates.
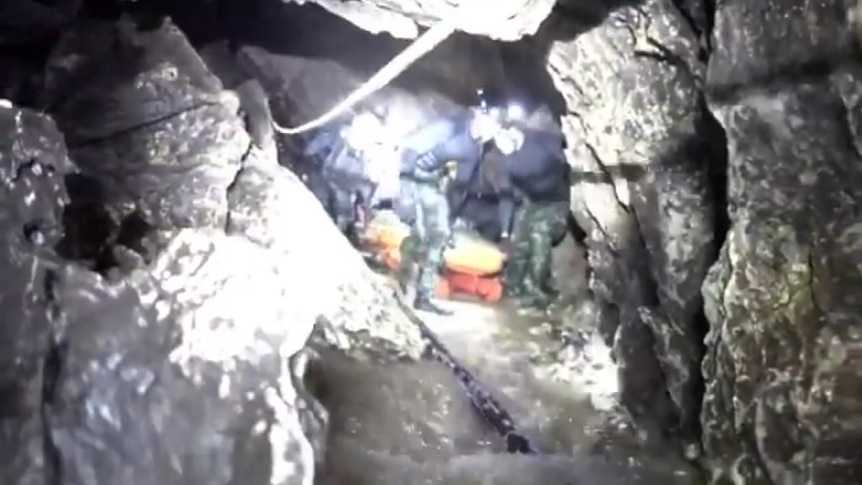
{"type": "Point", "coordinates": [631, 79]}
{"type": "Point", "coordinates": [354, 305]}
{"type": "Point", "coordinates": [98, 71]}
{"type": "Point", "coordinates": [183, 366]}
{"type": "Point", "coordinates": [783, 367]}
{"type": "Point", "coordinates": [508, 20]}
{"type": "Point", "coordinates": [179, 373]}
{"type": "Point", "coordinates": [33, 163]}
{"type": "Point", "coordinates": [160, 378]}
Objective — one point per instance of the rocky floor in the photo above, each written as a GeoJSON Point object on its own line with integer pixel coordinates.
{"type": "Point", "coordinates": [412, 423]}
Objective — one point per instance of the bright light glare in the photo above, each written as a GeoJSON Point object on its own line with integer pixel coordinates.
{"type": "Point", "coordinates": [509, 140]}
{"type": "Point", "coordinates": [365, 130]}
{"type": "Point", "coordinates": [515, 112]}
{"type": "Point", "coordinates": [486, 123]}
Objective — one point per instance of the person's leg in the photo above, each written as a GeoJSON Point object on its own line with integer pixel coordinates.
{"type": "Point", "coordinates": [411, 246]}
{"type": "Point", "coordinates": [546, 222]}
{"type": "Point", "coordinates": [409, 250]}
{"type": "Point", "coordinates": [436, 223]}
{"type": "Point", "coordinates": [516, 261]}
{"type": "Point", "coordinates": [559, 227]}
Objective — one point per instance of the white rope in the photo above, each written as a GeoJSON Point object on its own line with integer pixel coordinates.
{"type": "Point", "coordinates": [423, 44]}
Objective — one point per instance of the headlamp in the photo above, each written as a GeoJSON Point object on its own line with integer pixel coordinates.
{"type": "Point", "coordinates": [483, 102]}
{"type": "Point", "coordinates": [515, 112]}
{"type": "Point", "coordinates": [364, 131]}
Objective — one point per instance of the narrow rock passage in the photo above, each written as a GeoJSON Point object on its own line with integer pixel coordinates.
{"type": "Point", "coordinates": [412, 423]}
{"type": "Point", "coordinates": [501, 348]}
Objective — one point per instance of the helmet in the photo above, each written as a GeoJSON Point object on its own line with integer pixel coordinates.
{"type": "Point", "coordinates": [364, 130]}
{"type": "Point", "coordinates": [498, 109]}
{"type": "Point", "coordinates": [515, 112]}
{"type": "Point", "coordinates": [487, 104]}
{"type": "Point", "coordinates": [487, 116]}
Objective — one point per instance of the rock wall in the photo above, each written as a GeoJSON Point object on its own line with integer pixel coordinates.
{"type": "Point", "coordinates": [632, 80]}
{"type": "Point", "coordinates": [783, 374]}
{"type": "Point", "coordinates": [767, 397]}
{"type": "Point", "coordinates": [158, 290]}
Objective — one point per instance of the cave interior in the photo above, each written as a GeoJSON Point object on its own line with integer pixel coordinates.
{"type": "Point", "coordinates": [710, 255]}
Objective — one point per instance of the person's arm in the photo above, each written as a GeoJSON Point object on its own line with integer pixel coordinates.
{"type": "Point", "coordinates": [423, 149]}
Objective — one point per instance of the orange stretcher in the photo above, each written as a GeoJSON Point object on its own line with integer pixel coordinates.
{"type": "Point", "coordinates": [472, 267]}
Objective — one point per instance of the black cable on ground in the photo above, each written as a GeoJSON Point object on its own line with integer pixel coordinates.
{"type": "Point", "coordinates": [489, 407]}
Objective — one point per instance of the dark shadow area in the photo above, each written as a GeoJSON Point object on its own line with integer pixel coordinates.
{"type": "Point", "coordinates": [309, 31]}
{"type": "Point", "coordinates": [88, 227]}
{"type": "Point", "coordinates": [715, 151]}
{"type": "Point", "coordinates": [514, 71]}
{"type": "Point", "coordinates": [527, 80]}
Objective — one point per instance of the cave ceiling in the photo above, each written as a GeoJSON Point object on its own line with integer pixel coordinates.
{"type": "Point", "coordinates": [508, 20]}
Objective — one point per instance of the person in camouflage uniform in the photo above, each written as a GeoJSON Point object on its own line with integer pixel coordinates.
{"type": "Point", "coordinates": [426, 168]}
{"type": "Point", "coordinates": [541, 184]}
{"type": "Point", "coordinates": [537, 227]}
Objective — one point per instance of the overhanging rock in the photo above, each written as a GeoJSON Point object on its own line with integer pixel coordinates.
{"type": "Point", "coordinates": [508, 20]}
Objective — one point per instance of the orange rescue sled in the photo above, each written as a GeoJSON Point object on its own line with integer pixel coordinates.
{"type": "Point", "coordinates": [472, 267]}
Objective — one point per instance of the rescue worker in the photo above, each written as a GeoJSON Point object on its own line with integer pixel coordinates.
{"type": "Point", "coordinates": [487, 188]}
{"type": "Point", "coordinates": [428, 156]}
{"type": "Point", "coordinates": [340, 181]}
{"type": "Point", "coordinates": [538, 177]}
{"type": "Point", "coordinates": [485, 198]}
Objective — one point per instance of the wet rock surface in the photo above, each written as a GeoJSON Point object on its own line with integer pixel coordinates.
{"type": "Point", "coordinates": [156, 293]}
{"type": "Point", "coordinates": [634, 121]}
{"type": "Point", "coordinates": [510, 19]}
{"type": "Point", "coordinates": [782, 369]}
{"type": "Point", "coordinates": [407, 422]}
{"type": "Point", "coordinates": [655, 94]}
{"type": "Point", "coordinates": [697, 132]}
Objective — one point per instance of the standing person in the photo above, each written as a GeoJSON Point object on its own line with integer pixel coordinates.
{"type": "Point", "coordinates": [341, 180]}
{"type": "Point", "coordinates": [535, 167]}
{"type": "Point", "coordinates": [426, 164]}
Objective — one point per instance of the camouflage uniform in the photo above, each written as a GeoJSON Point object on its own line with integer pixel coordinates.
{"type": "Point", "coordinates": [429, 234]}
{"type": "Point", "coordinates": [528, 269]}
{"type": "Point", "coordinates": [428, 157]}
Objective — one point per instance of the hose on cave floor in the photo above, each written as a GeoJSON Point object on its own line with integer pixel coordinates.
{"type": "Point", "coordinates": [489, 407]}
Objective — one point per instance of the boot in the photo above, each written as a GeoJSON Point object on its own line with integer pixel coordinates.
{"type": "Point", "coordinates": [513, 291]}
{"type": "Point", "coordinates": [423, 303]}
{"type": "Point", "coordinates": [533, 297]}
{"type": "Point", "coordinates": [551, 291]}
